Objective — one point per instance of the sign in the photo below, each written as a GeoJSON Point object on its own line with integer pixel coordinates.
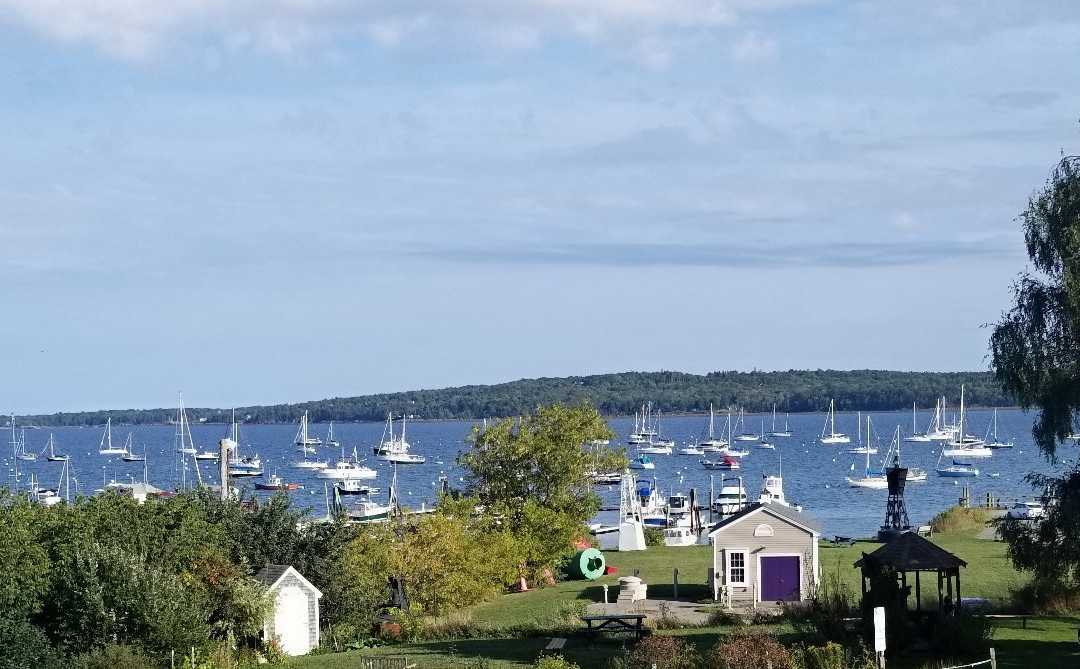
{"type": "Point", "coordinates": [879, 629]}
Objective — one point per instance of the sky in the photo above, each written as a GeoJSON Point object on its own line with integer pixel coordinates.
{"type": "Point", "coordinates": [272, 201]}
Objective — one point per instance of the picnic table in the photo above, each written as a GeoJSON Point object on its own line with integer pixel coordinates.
{"type": "Point", "coordinates": [616, 622]}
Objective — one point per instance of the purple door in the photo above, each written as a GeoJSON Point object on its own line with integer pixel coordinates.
{"type": "Point", "coordinates": [779, 578]}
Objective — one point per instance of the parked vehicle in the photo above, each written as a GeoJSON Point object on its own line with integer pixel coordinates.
{"type": "Point", "coordinates": [1027, 510]}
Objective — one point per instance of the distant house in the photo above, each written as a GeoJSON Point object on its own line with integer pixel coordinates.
{"type": "Point", "coordinates": [764, 553]}
{"type": "Point", "coordinates": [294, 622]}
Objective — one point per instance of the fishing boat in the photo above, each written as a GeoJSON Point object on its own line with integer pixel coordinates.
{"type": "Point", "coordinates": [732, 497]}
{"type": "Point", "coordinates": [829, 435]}
{"type": "Point", "coordinates": [303, 439]}
{"type": "Point", "coordinates": [208, 455]}
{"type": "Point", "coordinates": [993, 441]}
{"type": "Point", "coordinates": [691, 449]}
{"type": "Point", "coordinates": [394, 448]}
{"type": "Point", "coordinates": [129, 455]}
{"type": "Point", "coordinates": [50, 452]}
{"type": "Point", "coordinates": [712, 443]}
{"type": "Point", "coordinates": [276, 483]}
{"type": "Point", "coordinates": [106, 447]}
{"type": "Point", "coordinates": [915, 436]}
{"type": "Point", "coordinates": [367, 510]}
{"type": "Point", "coordinates": [786, 432]}
{"type": "Point", "coordinates": [345, 469]}
{"type": "Point", "coordinates": [725, 463]}
{"type": "Point", "coordinates": [355, 487]}
{"type": "Point", "coordinates": [642, 462]}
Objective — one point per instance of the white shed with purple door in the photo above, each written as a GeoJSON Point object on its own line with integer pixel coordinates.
{"type": "Point", "coordinates": [764, 553]}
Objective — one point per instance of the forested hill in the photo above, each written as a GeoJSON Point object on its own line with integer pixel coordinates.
{"type": "Point", "coordinates": [613, 394]}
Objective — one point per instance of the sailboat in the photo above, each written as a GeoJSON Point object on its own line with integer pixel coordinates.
{"type": "Point", "coordinates": [938, 430]}
{"type": "Point", "coordinates": [637, 436]}
{"type": "Point", "coordinates": [344, 470]}
{"type": "Point", "coordinates": [762, 443]}
{"type": "Point", "coordinates": [915, 436]}
{"type": "Point", "coordinates": [872, 478]}
{"type": "Point", "coordinates": [303, 440]}
{"type": "Point", "coordinates": [864, 447]}
{"type": "Point", "coordinates": [330, 441]}
{"type": "Point", "coordinates": [957, 469]}
{"type": "Point", "coordinates": [913, 474]}
{"type": "Point", "coordinates": [51, 454]}
{"type": "Point", "coordinates": [396, 449]}
{"type": "Point", "coordinates": [786, 432]}
{"type": "Point", "coordinates": [965, 445]}
{"type": "Point", "coordinates": [995, 442]}
{"type": "Point", "coordinates": [832, 436]}
{"type": "Point", "coordinates": [129, 455]}
{"type": "Point", "coordinates": [744, 435]}
{"type": "Point", "coordinates": [106, 447]}
{"type": "Point", "coordinates": [711, 444]}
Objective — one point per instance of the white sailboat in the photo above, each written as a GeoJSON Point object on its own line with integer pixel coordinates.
{"type": "Point", "coordinates": [786, 432]}
{"type": "Point", "coordinates": [915, 436]}
{"type": "Point", "coordinates": [864, 447]}
{"type": "Point", "coordinates": [993, 441]}
{"type": "Point", "coordinates": [303, 439]}
{"type": "Point", "coordinates": [938, 431]}
{"type": "Point", "coordinates": [965, 445]}
{"type": "Point", "coordinates": [871, 478]}
{"type": "Point", "coordinates": [130, 455]}
{"type": "Point", "coordinates": [832, 436]}
{"type": "Point", "coordinates": [712, 444]}
{"type": "Point", "coordinates": [106, 447]}
{"type": "Point", "coordinates": [50, 452]}
{"type": "Point", "coordinates": [330, 441]}
{"type": "Point", "coordinates": [913, 473]}
{"type": "Point", "coordinates": [394, 448]}
{"type": "Point", "coordinates": [762, 443]}
{"type": "Point", "coordinates": [744, 435]}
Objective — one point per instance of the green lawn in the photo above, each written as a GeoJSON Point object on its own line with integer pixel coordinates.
{"type": "Point", "coordinates": [1051, 642]}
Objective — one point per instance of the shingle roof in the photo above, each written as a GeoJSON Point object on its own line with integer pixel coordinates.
{"type": "Point", "coordinates": [787, 513]}
{"type": "Point", "coordinates": [270, 574]}
{"type": "Point", "coordinates": [910, 552]}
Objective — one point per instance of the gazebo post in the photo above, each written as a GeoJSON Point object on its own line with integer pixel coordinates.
{"type": "Point", "coordinates": [863, 570]}
{"type": "Point", "coordinates": [948, 585]}
{"type": "Point", "coordinates": [940, 596]}
{"type": "Point", "coordinates": [958, 589]}
{"type": "Point", "coordinates": [918, 594]}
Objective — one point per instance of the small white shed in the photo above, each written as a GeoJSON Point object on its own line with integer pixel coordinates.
{"type": "Point", "coordinates": [764, 553]}
{"type": "Point", "coordinates": [294, 621]}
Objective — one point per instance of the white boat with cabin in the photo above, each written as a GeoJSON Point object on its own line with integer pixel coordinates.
{"type": "Point", "coordinates": [106, 447]}
{"type": "Point", "coordinates": [394, 448]}
{"type": "Point", "coordinates": [829, 435]}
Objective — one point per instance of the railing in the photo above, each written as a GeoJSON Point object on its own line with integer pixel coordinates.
{"type": "Point", "coordinates": [992, 662]}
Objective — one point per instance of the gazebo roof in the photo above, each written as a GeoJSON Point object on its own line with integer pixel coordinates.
{"type": "Point", "coordinates": [911, 552]}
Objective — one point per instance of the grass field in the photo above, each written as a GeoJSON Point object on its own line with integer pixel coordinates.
{"type": "Point", "coordinates": [1049, 643]}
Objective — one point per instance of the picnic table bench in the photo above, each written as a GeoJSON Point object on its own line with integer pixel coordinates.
{"type": "Point", "coordinates": [843, 541]}
{"type": "Point", "coordinates": [386, 662]}
{"type": "Point", "coordinates": [1004, 616]}
{"type": "Point", "coordinates": [555, 646]}
{"type": "Point", "coordinates": [616, 622]}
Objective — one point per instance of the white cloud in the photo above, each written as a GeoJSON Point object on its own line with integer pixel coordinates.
{"type": "Point", "coordinates": [134, 29]}
{"type": "Point", "coordinates": [753, 47]}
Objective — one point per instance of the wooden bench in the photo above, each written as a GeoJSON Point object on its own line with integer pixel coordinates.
{"type": "Point", "coordinates": [1002, 616]}
{"type": "Point", "coordinates": [843, 541]}
{"type": "Point", "coordinates": [385, 662]}
{"type": "Point", "coordinates": [555, 646]}
{"type": "Point", "coordinates": [925, 531]}
{"type": "Point", "coordinates": [626, 622]}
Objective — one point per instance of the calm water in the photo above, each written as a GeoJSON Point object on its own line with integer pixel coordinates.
{"type": "Point", "coordinates": [813, 473]}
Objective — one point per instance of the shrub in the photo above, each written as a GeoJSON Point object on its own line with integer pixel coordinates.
{"type": "Point", "coordinates": [721, 617]}
{"type": "Point", "coordinates": [553, 662]}
{"type": "Point", "coordinates": [25, 645]}
{"type": "Point", "coordinates": [661, 652]}
{"type": "Point", "coordinates": [822, 618]}
{"type": "Point", "coordinates": [829, 656]}
{"type": "Point", "coordinates": [963, 636]}
{"type": "Point", "coordinates": [751, 649]}
{"type": "Point", "coordinates": [960, 519]}
{"type": "Point", "coordinates": [654, 536]}
{"type": "Point", "coordinates": [1054, 599]}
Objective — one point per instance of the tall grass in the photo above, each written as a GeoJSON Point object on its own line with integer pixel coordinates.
{"type": "Point", "coordinates": [961, 519]}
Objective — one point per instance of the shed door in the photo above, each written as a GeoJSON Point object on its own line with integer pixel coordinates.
{"type": "Point", "coordinates": [779, 578]}
{"type": "Point", "coordinates": [291, 620]}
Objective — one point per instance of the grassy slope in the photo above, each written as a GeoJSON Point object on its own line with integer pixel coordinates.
{"type": "Point", "coordinates": [1052, 641]}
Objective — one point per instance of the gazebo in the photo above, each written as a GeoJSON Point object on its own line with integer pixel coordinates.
{"type": "Point", "coordinates": [910, 552]}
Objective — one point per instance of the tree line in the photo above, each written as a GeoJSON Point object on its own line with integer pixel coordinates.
{"type": "Point", "coordinates": [623, 393]}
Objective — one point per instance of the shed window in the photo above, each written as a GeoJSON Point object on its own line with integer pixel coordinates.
{"type": "Point", "coordinates": [737, 567]}
{"type": "Point", "coordinates": [763, 530]}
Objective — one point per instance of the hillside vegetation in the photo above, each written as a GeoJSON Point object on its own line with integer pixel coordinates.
{"type": "Point", "coordinates": [613, 394]}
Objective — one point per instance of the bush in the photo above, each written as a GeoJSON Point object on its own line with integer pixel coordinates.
{"type": "Point", "coordinates": [961, 519]}
{"type": "Point", "coordinates": [661, 652]}
{"type": "Point", "coordinates": [822, 618]}
{"type": "Point", "coordinates": [1053, 599]}
{"type": "Point", "coordinates": [963, 636]}
{"type": "Point", "coordinates": [829, 656]}
{"type": "Point", "coordinates": [553, 662]}
{"type": "Point", "coordinates": [25, 645]}
{"type": "Point", "coordinates": [719, 617]}
{"type": "Point", "coordinates": [751, 649]}
{"type": "Point", "coordinates": [654, 536]}
{"type": "Point", "coordinates": [115, 656]}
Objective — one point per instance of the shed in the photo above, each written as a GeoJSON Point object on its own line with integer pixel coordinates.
{"type": "Point", "coordinates": [767, 552]}
{"type": "Point", "coordinates": [294, 622]}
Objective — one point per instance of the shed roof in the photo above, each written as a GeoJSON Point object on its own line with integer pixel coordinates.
{"type": "Point", "coordinates": [784, 513]}
{"type": "Point", "coordinates": [272, 574]}
{"type": "Point", "coordinates": [911, 552]}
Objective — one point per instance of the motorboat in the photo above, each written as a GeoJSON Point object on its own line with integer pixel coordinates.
{"type": "Point", "coordinates": [725, 463]}
{"type": "Point", "coordinates": [642, 462]}
{"type": "Point", "coordinates": [679, 536]}
{"type": "Point", "coordinates": [691, 449]}
{"type": "Point", "coordinates": [343, 470]}
{"type": "Point", "coordinates": [276, 483]}
{"type": "Point", "coordinates": [732, 497]}
{"type": "Point", "coordinates": [355, 487]}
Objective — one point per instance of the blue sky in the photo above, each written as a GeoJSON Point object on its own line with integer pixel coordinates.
{"type": "Point", "coordinates": [261, 201]}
